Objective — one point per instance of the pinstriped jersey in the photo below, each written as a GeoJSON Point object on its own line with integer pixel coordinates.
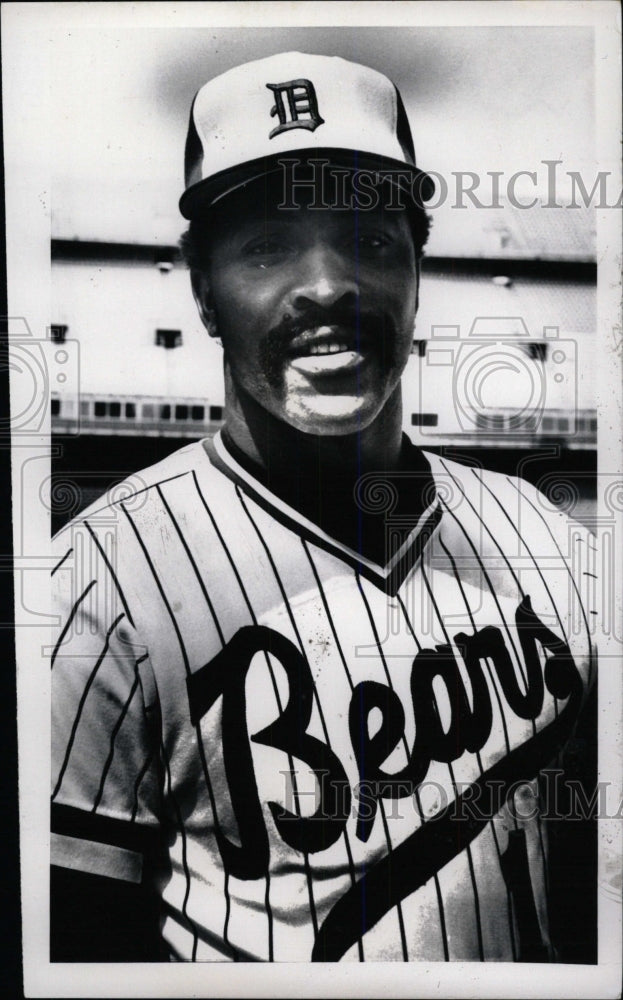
{"type": "Point", "coordinates": [315, 757]}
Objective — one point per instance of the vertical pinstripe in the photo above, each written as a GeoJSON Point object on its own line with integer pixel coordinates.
{"type": "Point", "coordinates": [504, 557]}
{"type": "Point", "coordinates": [137, 784]}
{"type": "Point", "coordinates": [406, 749]}
{"type": "Point", "coordinates": [438, 893]}
{"type": "Point", "coordinates": [199, 738]}
{"type": "Point", "coordinates": [81, 704]}
{"type": "Point", "coordinates": [519, 587]}
{"type": "Point", "coordinates": [468, 848]}
{"type": "Point", "coordinates": [68, 623]}
{"type": "Point", "coordinates": [360, 948]}
{"type": "Point", "coordinates": [191, 559]}
{"type": "Point", "coordinates": [277, 696]}
{"type": "Point", "coordinates": [571, 577]}
{"type": "Point", "coordinates": [317, 699]}
{"type": "Point", "coordinates": [275, 691]}
{"type": "Point", "coordinates": [182, 829]}
{"type": "Point", "coordinates": [113, 575]}
{"type": "Point", "coordinates": [506, 739]}
{"type": "Point", "coordinates": [113, 735]}
{"type": "Point", "coordinates": [199, 741]}
{"type": "Point", "coordinates": [527, 548]}
{"type": "Point", "coordinates": [348, 677]}
{"type": "Point", "coordinates": [518, 659]}
{"type": "Point", "coordinates": [61, 561]}
{"type": "Point", "coordinates": [494, 682]}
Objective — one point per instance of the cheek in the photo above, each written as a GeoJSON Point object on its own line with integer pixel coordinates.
{"type": "Point", "coordinates": [245, 309]}
{"type": "Point", "coordinates": [398, 298]}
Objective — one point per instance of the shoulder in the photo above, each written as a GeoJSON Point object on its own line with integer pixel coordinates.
{"type": "Point", "coordinates": [118, 562]}
{"type": "Point", "coordinates": [473, 483]}
{"type": "Point", "coordinates": [504, 507]}
{"type": "Point", "coordinates": [128, 538]}
{"type": "Point", "coordinates": [132, 493]}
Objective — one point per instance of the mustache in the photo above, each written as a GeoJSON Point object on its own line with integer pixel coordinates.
{"type": "Point", "coordinates": [365, 325]}
{"type": "Point", "coordinates": [377, 330]}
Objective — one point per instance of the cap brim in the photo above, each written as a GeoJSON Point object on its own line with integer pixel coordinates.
{"type": "Point", "coordinates": [206, 193]}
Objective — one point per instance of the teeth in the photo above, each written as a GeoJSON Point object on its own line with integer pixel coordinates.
{"type": "Point", "coordinates": [326, 348]}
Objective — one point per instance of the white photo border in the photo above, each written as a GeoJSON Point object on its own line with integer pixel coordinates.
{"type": "Point", "coordinates": [26, 85]}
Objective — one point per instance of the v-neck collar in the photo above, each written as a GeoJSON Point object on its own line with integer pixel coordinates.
{"type": "Point", "coordinates": [388, 577]}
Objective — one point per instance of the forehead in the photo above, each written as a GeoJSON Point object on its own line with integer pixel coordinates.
{"type": "Point", "coordinates": [330, 203]}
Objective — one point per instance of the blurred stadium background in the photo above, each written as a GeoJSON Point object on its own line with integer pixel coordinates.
{"type": "Point", "coordinates": [502, 363]}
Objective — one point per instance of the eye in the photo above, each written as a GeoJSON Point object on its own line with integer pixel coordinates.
{"type": "Point", "coordinates": [265, 250]}
{"type": "Point", "coordinates": [372, 241]}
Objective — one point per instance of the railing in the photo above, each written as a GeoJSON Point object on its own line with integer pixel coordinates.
{"type": "Point", "coordinates": [574, 429]}
{"type": "Point", "coordinates": [134, 416]}
{"type": "Point", "coordinates": [165, 417]}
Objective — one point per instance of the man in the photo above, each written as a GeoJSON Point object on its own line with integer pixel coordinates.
{"type": "Point", "coordinates": [307, 676]}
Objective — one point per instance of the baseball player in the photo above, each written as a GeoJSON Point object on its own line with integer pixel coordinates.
{"type": "Point", "coordinates": [307, 676]}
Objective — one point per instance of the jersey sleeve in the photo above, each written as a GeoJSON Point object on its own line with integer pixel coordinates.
{"type": "Point", "coordinates": [560, 542]}
{"type": "Point", "coordinates": [106, 775]}
{"type": "Point", "coordinates": [567, 537]}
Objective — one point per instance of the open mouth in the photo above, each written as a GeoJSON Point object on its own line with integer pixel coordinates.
{"type": "Point", "coordinates": [326, 349]}
{"type": "Point", "coordinates": [332, 347]}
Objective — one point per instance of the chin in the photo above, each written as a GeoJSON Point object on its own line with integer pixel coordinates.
{"type": "Point", "coordinates": [334, 417]}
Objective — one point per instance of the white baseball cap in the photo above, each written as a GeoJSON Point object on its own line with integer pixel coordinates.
{"type": "Point", "coordinates": [244, 121]}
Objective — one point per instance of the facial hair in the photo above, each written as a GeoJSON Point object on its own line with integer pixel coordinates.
{"type": "Point", "coordinates": [372, 329]}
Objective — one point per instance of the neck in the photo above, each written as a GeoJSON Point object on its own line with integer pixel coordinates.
{"type": "Point", "coordinates": [279, 448]}
{"type": "Point", "coordinates": [316, 475]}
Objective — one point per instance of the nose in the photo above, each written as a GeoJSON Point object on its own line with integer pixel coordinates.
{"type": "Point", "coordinates": [326, 277]}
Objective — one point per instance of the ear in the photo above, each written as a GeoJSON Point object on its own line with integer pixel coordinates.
{"type": "Point", "coordinates": [202, 294]}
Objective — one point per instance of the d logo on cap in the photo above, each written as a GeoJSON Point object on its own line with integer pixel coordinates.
{"type": "Point", "coordinates": [302, 100]}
